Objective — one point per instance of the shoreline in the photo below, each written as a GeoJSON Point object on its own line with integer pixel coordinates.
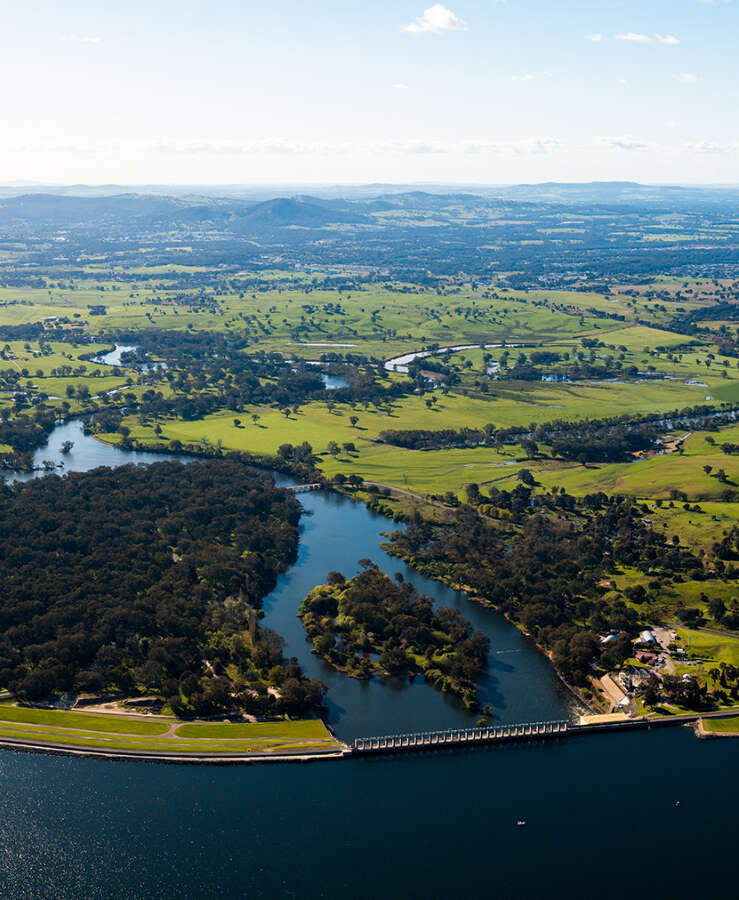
{"type": "Point", "coordinates": [174, 757]}
{"type": "Point", "coordinates": [486, 604]}
{"type": "Point", "coordinates": [702, 734]}
{"type": "Point", "coordinates": [345, 751]}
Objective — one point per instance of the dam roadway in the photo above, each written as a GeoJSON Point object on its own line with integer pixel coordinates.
{"type": "Point", "coordinates": [528, 731]}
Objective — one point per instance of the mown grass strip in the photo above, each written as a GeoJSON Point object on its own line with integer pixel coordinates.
{"type": "Point", "coordinates": [722, 726]}
{"type": "Point", "coordinates": [174, 746]}
{"type": "Point", "coordinates": [302, 728]}
{"type": "Point", "coordinates": [85, 721]}
{"type": "Point", "coordinates": [101, 732]}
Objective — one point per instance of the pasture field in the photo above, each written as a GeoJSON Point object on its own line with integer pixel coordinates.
{"type": "Point", "coordinates": [665, 598]}
{"type": "Point", "coordinates": [379, 321]}
{"type": "Point", "coordinates": [50, 368]}
{"type": "Point", "coordinates": [713, 648]}
{"type": "Point", "coordinates": [653, 478]}
{"type": "Point", "coordinates": [425, 472]}
{"type": "Point", "coordinates": [633, 347]}
{"type": "Point", "coordinates": [517, 404]}
{"type": "Point", "coordinates": [697, 529]}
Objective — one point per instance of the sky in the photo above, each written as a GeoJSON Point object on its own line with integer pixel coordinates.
{"type": "Point", "coordinates": [346, 92]}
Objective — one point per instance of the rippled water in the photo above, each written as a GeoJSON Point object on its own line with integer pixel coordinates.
{"type": "Point", "coordinates": [600, 815]}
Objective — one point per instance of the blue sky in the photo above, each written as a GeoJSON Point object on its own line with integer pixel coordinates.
{"type": "Point", "coordinates": [350, 92]}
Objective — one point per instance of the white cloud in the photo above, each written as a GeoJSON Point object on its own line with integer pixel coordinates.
{"type": "Point", "coordinates": [399, 86]}
{"type": "Point", "coordinates": [86, 38]}
{"type": "Point", "coordinates": [533, 146]}
{"type": "Point", "coordinates": [409, 146]}
{"type": "Point", "coordinates": [687, 78]}
{"type": "Point", "coordinates": [622, 81]}
{"type": "Point", "coordinates": [634, 37]}
{"type": "Point", "coordinates": [527, 77]}
{"type": "Point", "coordinates": [435, 19]}
{"type": "Point", "coordinates": [269, 146]}
{"type": "Point", "coordinates": [712, 147]}
{"type": "Point", "coordinates": [623, 142]}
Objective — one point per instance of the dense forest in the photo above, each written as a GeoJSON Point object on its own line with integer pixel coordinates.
{"type": "Point", "coordinates": [350, 620]}
{"type": "Point", "coordinates": [551, 576]}
{"type": "Point", "coordinates": [147, 580]}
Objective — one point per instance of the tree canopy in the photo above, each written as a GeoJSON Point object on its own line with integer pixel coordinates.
{"type": "Point", "coordinates": [144, 579]}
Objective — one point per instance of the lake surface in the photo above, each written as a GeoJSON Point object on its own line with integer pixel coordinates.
{"type": "Point", "coordinates": [519, 683]}
{"type": "Point", "coordinates": [86, 454]}
{"type": "Point", "coordinates": [600, 811]}
{"type": "Point", "coordinates": [333, 382]}
{"type": "Point", "coordinates": [113, 357]}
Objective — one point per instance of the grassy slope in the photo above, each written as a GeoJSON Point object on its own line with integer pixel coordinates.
{"type": "Point", "coordinates": [715, 648]}
{"type": "Point", "coordinates": [83, 720]}
{"type": "Point", "coordinates": [122, 732]}
{"type": "Point", "coordinates": [722, 726]}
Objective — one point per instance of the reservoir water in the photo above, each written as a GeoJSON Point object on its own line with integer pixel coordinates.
{"type": "Point", "coordinates": [600, 810]}
{"type": "Point", "coordinates": [601, 821]}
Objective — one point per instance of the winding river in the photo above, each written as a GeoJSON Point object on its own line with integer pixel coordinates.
{"type": "Point", "coordinates": [598, 809]}
{"type": "Point", "coordinates": [401, 363]}
{"type": "Point", "coordinates": [336, 533]}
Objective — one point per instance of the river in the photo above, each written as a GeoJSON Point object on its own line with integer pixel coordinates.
{"type": "Point", "coordinates": [336, 533]}
{"type": "Point", "coordinates": [401, 363]}
{"type": "Point", "coordinates": [599, 809]}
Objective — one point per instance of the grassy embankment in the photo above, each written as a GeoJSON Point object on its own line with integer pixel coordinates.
{"type": "Point", "coordinates": [721, 726]}
{"type": "Point", "coordinates": [118, 733]}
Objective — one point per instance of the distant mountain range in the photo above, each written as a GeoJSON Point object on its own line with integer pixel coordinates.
{"type": "Point", "coordinates": [261, 193]}
{"type": "Point", "coordinates": [152, 209]}
{"type": "Point", "coordinates": [85, 208]}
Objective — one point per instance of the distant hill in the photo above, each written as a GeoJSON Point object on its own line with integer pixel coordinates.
{"type": "Point", "coordinates": [615, 192]}
{"type": "Point", "coordinates": [284, 212]}
{"type": "Point", "coordinates": [54, 211]}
